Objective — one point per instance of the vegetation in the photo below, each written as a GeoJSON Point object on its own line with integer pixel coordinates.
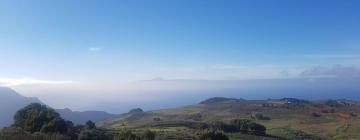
{"type": "Point", "coordinates": [212, 135]}
{"type": "Point", "coordinates": [259, 116]}
{"type": "Point", "coordinates": [39, 118]}
{"type": "Point", "coordinates": [39, 122]}
{"type": "Point", "coordinates": [247, 126]}
{"type": "Point", "coordinates": [148, 135]}
{"type": "Point", "coordinates": [239, 125]}
{"type": "Point", "coordinates": [248, 119]}
{"type": "Point", "coordinates": [292, 134]}
{"type": "Point", "coordinates": [285, 119]}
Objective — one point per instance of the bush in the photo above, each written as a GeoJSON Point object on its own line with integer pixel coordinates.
{"type": "Point", "coordinates": [148, 135]}
{"type": "Point", "coordinates": [247, 126]}
{"type": "Point", "coordinates": [90, 125]}
{"type": "Point", "coordinates": [212, 135]}
{"type": "Point", "coordinates": [126, 135]}
{"type": "Point", "coordinates": [259, 116]}
{"type": "Point", "coordinates": [92, 134]}
{"type": "Point", "coordinates": [223, 127]}
{"type": "Point", "coordinates": [314, 114]}
{"type": "Point", "coordinates": [13, 133]}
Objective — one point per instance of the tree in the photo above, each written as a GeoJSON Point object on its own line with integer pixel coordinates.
{"type": "Point", "coordinates": [35, 116]}
{"type": "Point", "coordinates": [90, 125]}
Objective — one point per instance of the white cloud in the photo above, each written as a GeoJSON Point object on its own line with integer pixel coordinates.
{"type": "Point", "coordinates": [94, 49]}
{"type": "Point", "coordinates": [29, 81]}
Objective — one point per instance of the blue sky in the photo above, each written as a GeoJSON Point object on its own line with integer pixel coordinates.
{"type": "Point", "coordinates": [102, 43]}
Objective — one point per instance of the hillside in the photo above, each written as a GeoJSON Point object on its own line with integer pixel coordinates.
{"type": "Point", "coordinates": [11, 101]}
{"type": "Point", "coordinates": [287, 118]}
{"type": "Point", "coordinates": [80, 117]}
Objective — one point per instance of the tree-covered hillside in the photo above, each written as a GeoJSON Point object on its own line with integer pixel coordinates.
{"type": "Point", "coordinates": [39, 122]}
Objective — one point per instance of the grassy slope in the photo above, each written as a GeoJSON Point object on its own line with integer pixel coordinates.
{"type": "Point", "coordinates": [337, 125]}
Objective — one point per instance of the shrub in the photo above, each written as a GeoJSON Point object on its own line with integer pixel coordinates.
{"type": "Point", "coordinates": [247, 126]}
{"type": "Point", "coordinates": [55, 125]}
{"type": "Point", "coordinates": [223, 127]}
{"type": "Point", "coordinates": [148, 135]}
{"type": "Point", "coordinates": [126, 135]}
{"type": "Point", "coordinates": [259, 116]}
{"type": "Point", "coordinates": [212, 135]}
{"type": "Point", "coordinates": [90, 125]}
{"type": "Point", "coordinates": [92, 134]}
{"type": "Point", "coordinates": [314, 114]}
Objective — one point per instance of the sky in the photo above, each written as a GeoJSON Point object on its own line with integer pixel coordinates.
{"type": "Point", "coordinates": [148, 53]}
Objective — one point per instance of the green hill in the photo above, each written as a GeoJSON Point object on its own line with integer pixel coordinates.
{"type": "Point", "coordinates": [286, 118]}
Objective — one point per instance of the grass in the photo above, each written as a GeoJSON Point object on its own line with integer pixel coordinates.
{"type": "Point", "coordinates": [174, 121]}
